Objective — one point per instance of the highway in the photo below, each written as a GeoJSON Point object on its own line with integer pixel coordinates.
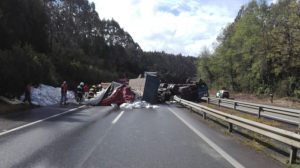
{"type": "Point", "coordinates": [169, 136]}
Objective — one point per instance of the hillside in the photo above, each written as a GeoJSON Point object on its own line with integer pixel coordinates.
{"type": "Point", "coordinates": [259, 52]}
{"type": "Point", "coordinates": [52, 41]}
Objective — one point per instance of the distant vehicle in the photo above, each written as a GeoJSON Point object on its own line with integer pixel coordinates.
{"type": "Point", "coordinates": [223, 93]}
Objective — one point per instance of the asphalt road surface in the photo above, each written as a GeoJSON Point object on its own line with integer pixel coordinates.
{"type": "Point", "coordinates": [169, 136]}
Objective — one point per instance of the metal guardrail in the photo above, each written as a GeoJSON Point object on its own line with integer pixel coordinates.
{"type": "Point", "coordinates": [287, 137]}
{"type": "Point", "coordinates": [260, 109]}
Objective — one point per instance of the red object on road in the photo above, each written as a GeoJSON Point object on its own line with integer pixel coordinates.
{"type": "Point", "coordinates": [115, 98]}
{"type": "Point", "coordinates": [128, 95]}
{"type": "Point", "coordinates": [119, 95]}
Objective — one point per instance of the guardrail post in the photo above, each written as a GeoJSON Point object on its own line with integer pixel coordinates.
{"type": "Point", "coordinates": [230, 127]}
{"type": "Point", "coordinates": [219, 102]}
{"type": "Point", "coordinates": [208, 100]}
{"type": "Point", "coordinates": [299, 125]}
{"type": "Point", "coordinates": [293, 155]}
{"type": "Point", "coordinates": [234, 105]}
{"type": "Point", "coordinates": [204, 115]}
{"type": "Point", "coordinates": [260, 109]}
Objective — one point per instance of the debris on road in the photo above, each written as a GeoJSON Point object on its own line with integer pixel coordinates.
{"type": "Point", "coordinates": [96, 99]}
{"type": "Point", "coordinates": [118, 94]}
{"type": "Point", "coordinates": [147, 89]}
{"type": "Point", "coordinates": [138, 105]}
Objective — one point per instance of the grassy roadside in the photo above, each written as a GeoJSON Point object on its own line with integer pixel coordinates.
{"type": "Point", "coordinates": [288, 102]}
{"type": "Point", "coordinates": [8, 108]}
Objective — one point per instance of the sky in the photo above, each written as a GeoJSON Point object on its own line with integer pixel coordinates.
{"type": "Point", "coordinates": [174, 26]}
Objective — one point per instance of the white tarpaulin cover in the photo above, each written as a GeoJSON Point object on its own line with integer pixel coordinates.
{"type": "Point", "coordinates": [45, 95]}
{"type": "Point", "coordinates": [96, 99]}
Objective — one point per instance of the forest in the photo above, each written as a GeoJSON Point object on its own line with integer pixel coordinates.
{"type": "Point", "coordinates": [49, 41]}
{"type": "Point", "coordinates": [259, 52]}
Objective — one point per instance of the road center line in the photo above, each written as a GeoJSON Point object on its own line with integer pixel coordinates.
{"type": "Point", "coordinates": [38, 121]}
{"type": "Point", "coordinates": [117, 118]}
{"type": "Point", "coordinates": [230, 159]}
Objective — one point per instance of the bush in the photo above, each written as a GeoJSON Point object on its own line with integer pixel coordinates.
{"type": "Point", "coordinates": [260, 90]}
{"type": "Point", "coordinates": [20, 66]}
{"type": "Point", "coordinates": [267, 91]}
{"type": "Point", "coordinates": [297, 93]}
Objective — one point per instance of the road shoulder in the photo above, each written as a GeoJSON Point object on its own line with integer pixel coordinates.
{"type": "Point", "coordinates": [228, 142]}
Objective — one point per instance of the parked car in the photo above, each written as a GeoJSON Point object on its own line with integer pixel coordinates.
{"type": "Point", "coordinates": [223, 93]}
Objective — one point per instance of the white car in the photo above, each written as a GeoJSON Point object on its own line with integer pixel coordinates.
{"type": "Point", "coordinates": [222, 94]}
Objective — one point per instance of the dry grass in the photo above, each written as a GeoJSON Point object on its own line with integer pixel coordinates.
{"type": "Point", "coordinates": [254, 145]}
{"type": "Point", "coordinates": [7, 108]}
{"type": "Point", "coordinates": [288, 102]}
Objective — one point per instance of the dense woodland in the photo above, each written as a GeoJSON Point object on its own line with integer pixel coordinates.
{"type": "Point", "coordinates": [259, 52]}
{"type": "Point", "coordinates": [48, 41]}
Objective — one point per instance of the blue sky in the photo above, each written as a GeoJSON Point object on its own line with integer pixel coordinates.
{"type": "Point", "coordinates": [173, 26]}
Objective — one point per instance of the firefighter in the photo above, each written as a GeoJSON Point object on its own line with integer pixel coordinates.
{"type": "Point", "coordinates": [79, 92]}
{"type": "Point", "coordinates": [92, 91]}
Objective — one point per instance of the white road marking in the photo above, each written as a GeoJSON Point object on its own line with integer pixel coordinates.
{"type": "Point", "coordinates": [117, 118]}
{"type": "Point", "coordinates": [89, 153]}
{"type": "Point", "coordinates": [38, 121]}
{"type": "Point", "coordinates": [92, 150]}
{"type": "Point", "coordinates": [230, 159]}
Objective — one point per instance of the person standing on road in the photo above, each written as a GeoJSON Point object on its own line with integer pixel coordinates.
{"type": "Point", "coordinates": [64, 90]}
{"type": "Point", "coordinates": [86, 90]}
{"type": "Point", "coordinates": [27, 94]}
{"type": "Point", "coordinates": [80, 92]}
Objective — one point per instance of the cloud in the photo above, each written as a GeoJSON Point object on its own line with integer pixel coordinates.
{"type": "Point", "coordinates": [173, 26]}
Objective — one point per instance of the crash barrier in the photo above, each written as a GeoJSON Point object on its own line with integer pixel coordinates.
{"type": "Point", "coordinates": [287, 137]}
{"type": "Point", "coordinates": [260, 109]}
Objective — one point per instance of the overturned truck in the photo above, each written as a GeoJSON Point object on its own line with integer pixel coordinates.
{"type": "Point", "coordinates": [154, 92]}
{"type": "Point", "coordinates": [192, 91]}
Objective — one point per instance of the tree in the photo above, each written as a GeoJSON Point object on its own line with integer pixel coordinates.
{"type": "Point", "coordinates": [259, 51]}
